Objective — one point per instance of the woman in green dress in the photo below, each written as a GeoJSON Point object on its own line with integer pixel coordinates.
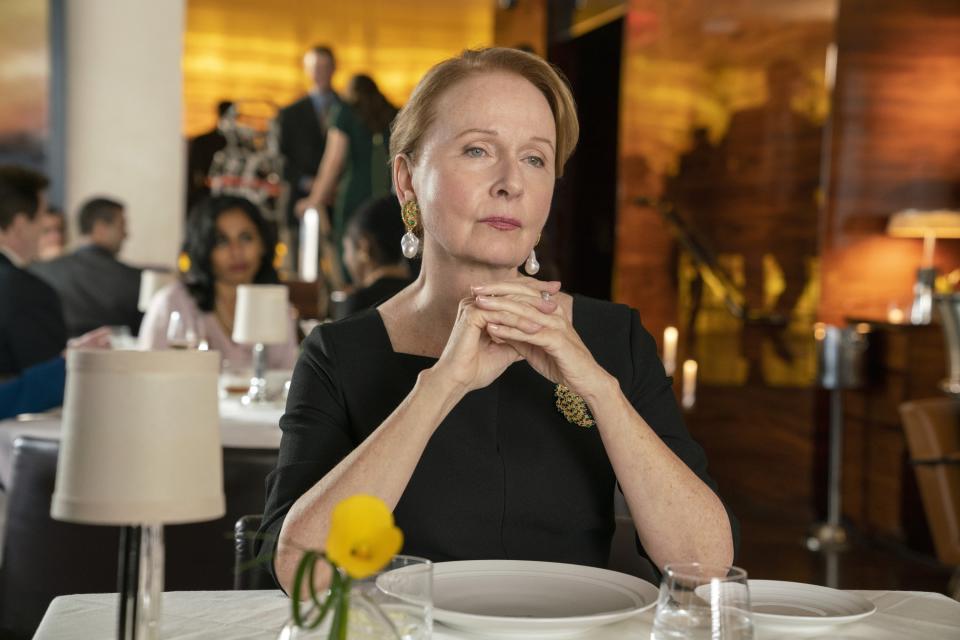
{"type": "Point", "coordinates": [355, 163]}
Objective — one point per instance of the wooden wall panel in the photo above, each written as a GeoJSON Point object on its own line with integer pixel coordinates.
{"type": "Point", "coordinates": [896, 145]}
{"type": "Point", "coordinates": [723, 104]}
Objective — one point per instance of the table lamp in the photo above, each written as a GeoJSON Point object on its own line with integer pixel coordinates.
{"type": "Point", "coordinates": [929, 225]}
{"type": "Point", "coordinates": [140, 448]}
{"type": "Point", "coordinates": [262, 317]}
{"type": "Point", "coordinates": [152, 281]}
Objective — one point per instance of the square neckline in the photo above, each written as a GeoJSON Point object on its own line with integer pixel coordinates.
{"type": "Point", "coordinates": [389, 344]}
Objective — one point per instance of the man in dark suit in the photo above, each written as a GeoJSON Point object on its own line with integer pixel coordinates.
{"type": "Point", "coordinates": [31, 319]}
{"type": "Point", "coordinates": [303, 132]}
{"type": "Point", "coordinates": [201, 151]}
{"type": "Point", "coordinates": [96, 289]}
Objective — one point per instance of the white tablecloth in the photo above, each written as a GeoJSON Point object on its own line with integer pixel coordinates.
{"type": "Point", "coordinates": [259, 615]}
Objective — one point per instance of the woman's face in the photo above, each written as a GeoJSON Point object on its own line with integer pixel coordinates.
{"type": "Point", "coordinates": [484, 175]}
{"type": "Point", "coordinates": [238, 249]}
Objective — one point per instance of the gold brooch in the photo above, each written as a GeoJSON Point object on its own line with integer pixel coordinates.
{"type": "Point", "coordinates": [573, 407]}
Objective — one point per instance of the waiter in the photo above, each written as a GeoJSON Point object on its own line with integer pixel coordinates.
{"type": "Point", "coordinates": [303, 131]}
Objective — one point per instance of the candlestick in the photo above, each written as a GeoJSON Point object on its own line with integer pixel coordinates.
{"type": "Point", "coordinates": [689, 384]}
{"type": "Point", "coordinates": [670, 350]}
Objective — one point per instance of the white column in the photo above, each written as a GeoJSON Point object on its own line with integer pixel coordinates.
{"type": "Point", "coordinates": [123, 117]}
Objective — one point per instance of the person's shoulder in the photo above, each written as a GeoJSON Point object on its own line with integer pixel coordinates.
{"type": "Point", "coordinates": [174, 294]}
{"type": "Point", "coordinates": [296, 106]}
{"type": "Point", "coordinates": [601, 315]}
{"type": "Point", "coordinates": [349, 336]}
{"type": "Point", "coordinates": [55, 266]}
{"type": "Point", "coordinates": [25, 285]}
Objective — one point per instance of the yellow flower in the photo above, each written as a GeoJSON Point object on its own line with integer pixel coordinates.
{"type": "Point", "coordinates": [362, 536]}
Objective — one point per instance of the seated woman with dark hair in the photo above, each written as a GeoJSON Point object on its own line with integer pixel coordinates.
{"type": "Point", "coordinates": [228, 243]}
{"type": "Point", "coordinates": [371, 253]}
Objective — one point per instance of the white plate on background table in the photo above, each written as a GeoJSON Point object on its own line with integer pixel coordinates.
{"type": "Point", "coordinates": [534, 599]}
{"type": "Point", "coordinates": [804, 608]}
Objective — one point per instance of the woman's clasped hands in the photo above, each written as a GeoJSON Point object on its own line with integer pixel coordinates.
{"type": "Point", "coordinates": [518, 319]}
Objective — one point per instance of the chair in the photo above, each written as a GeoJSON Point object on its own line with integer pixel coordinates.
{"type": "Point", "coordinates": [200, 556]}
{"type": "Point", "coordinates": [247, 573]}
{"type": "Point", "coordinates": [44, 558]}
{"type": "Point", "coordinates": [933, 437]}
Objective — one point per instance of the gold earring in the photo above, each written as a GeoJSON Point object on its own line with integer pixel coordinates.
{"type": "Point", "coordinates": [410, 242]}
{"type": "Point", "coordinates": [410, 212]}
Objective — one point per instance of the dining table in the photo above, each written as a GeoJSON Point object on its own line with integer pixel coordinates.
{"type": "Point", "coordinates": [260, 615]}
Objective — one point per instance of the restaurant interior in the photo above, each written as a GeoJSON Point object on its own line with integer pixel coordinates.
{"type": "Point", "coordinates": [774, 185]}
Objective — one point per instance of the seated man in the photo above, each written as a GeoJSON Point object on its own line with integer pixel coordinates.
{"type": "Point", "coordinates": [31, 319]}
{"type": "Point", "coordinates": [96, 289]}
{"type": "Point", "coordinates": [40, 387]}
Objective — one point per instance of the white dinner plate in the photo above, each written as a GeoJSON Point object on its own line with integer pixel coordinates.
{"type": "Point", "coordinates": [798, 607]}
{"type": "Point", "coordinates": [534, 599]}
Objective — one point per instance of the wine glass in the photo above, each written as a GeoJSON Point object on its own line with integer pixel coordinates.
{"type": "Point", "coordinates": [700, 601]}
{"type": "Point", "coordinates": [181, 332]}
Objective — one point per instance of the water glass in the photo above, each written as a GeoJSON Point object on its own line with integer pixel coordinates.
{"type": "Point", "coordinates": [181, 333]}
{"type": "Point", "coordinates": [703, 602]}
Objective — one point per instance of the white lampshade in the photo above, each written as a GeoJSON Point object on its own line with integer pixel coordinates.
{"type": "Point", "coordinates": [141, 438]}
{"type": "Point", "coordinates": [152, 281]}
{"type": "Point", "coordinates": [262, 314]}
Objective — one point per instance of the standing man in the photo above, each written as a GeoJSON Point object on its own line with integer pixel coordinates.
{"type": "Point", "coordinates": [95, 287]}
{"type": "Point", "coordinates": [303, 132]}
{"type": "Point", "coordinates": [31, 319]}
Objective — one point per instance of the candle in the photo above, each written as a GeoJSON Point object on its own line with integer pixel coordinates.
{"type": "Point", "coordinates": [309, 244]}
{"type": "Point", "coordinates": [670, 350]}
{"type": "Point", "coordinates": [689, 383]}
{"type": "Point", "coordinates": [894, 314]}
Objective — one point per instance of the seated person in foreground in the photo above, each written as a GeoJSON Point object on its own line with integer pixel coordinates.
{"type": "Point", "coordinates": [228, 243]}
{"type": "Point", "coordinates": [96, 289]}
{"type": "Point", "coordinates": [371, 253]}
{"type": "Point", "coordinates": [442, 401]}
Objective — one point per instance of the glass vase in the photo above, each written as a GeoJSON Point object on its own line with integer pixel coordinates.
{"type": "Point", "coordinates": [394, 604]}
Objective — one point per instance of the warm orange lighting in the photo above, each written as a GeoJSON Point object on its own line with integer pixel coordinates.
{"type": "Point", "coordinates": [246, 50]}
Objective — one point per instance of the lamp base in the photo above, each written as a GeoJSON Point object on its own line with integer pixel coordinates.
{"type": "Point", "coordinates": [257, 393]}
{"type": "Point", "coordinates": [922, 310]}
{"type": "Point", "coordinates": [140, 582]}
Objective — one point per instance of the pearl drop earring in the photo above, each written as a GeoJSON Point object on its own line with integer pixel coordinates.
{"type": "Point", "coordinates": [531, 266]}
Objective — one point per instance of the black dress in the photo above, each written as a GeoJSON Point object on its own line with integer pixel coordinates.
{"type": "Point", "coordinates": [505, 475]}
{"type": "Point", "coordinates": [370, 296]}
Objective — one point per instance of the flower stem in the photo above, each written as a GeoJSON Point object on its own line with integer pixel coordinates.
{"type": "Point", "coordinates": [338, 628]}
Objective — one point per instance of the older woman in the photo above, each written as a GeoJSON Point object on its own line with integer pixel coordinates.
{"type": "Point", "coordinates": [228, 243]}
{"type": "Point", "coordinates": [493, 412]}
